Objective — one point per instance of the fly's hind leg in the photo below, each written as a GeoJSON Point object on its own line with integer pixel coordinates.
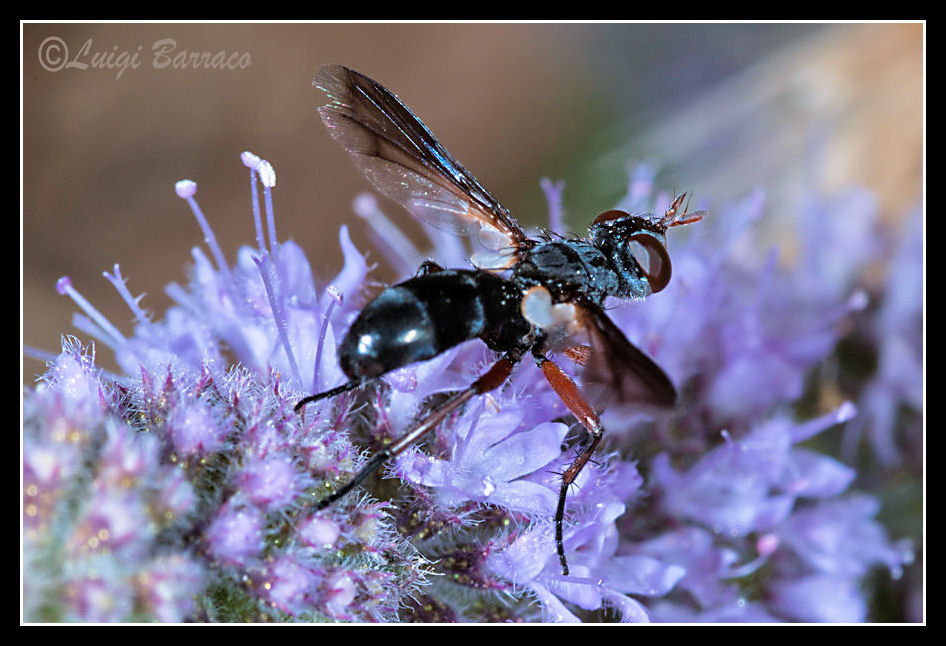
{"type": "Point", "coordinates": [566, 389]}
{"type": "Point", "coordinates": [493, 378]}
{"type": "Point", "coordinates": [344, 388]}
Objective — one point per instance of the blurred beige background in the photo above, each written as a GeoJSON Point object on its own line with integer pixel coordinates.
{"type": "Point", "coordinates": [513, 103]}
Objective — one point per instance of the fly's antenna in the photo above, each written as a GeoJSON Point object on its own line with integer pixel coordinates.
{"type": "Point", "coordinates": [672, 218]}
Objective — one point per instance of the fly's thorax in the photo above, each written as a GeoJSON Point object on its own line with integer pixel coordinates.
{"type": "Point", "coordinates": [568, 269]}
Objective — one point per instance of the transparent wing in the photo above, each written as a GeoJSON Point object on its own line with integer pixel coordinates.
{"type": "Point", "coordinates": [403, 159]}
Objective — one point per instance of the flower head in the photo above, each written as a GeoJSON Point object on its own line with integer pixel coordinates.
{"type": "Point", "coordinates": [185, 488]}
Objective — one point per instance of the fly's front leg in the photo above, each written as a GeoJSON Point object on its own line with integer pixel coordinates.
{"type": "Point", "coordinates": [566, 389]}
{"type": "Point", "coordinates": [493, 378]}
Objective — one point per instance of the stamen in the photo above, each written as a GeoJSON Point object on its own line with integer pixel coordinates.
{"type": "Point", "coordinates": [252, 162]}
{"type": "Point", "coordinates": [843, 413]}
{"type": "Point", "coordinates": [279, 317]}
{"type": "Point", "coordinates": [64, 287]}
{"type": "Point", "coordinates": [132, 301]}
{"type": "Point", "coordinates": [396, 248]}
{"type": "Point", "coordinates": [186, 189]}
{"type": "Point", "coordinates": [267, 175]}
{"type": "Point", "coordinates": [553, 196]}
{"type": "Point", "coordinates": [337, 299]}
{"type": "Point", "coordinates": [39, 355]}
{"type": "Point", "coordinates": [639, 189]}
{"type": "Point", "coordinates": [746, 569]}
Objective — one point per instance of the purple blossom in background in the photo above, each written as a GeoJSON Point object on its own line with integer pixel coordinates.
{"type": "Point", "coordinates": [184, 488]}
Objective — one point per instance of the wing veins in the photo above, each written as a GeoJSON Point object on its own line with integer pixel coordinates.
{"type": "Point", "coordinates": [356, 103]}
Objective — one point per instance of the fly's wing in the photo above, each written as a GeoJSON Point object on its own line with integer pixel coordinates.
{"type": "Point", "coordinates": [616, 371]}
{"type": "Point", "coordinates": [404, 161]}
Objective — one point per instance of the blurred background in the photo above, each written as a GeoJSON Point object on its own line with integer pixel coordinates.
{"type": "Point", "coordinates": [720, 109]}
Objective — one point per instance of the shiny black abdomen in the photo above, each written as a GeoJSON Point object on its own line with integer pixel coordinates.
{"type": "Point", "coordinates": [418, 319]}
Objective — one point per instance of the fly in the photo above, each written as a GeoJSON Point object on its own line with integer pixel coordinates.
{"type": "Point", "coordinates": [522, 296]}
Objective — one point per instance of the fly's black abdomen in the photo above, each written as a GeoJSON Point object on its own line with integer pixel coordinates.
{"type": "Point", "coordinates": [391, 331]}
{"type": "Point", "coordinates": [421, 317]}
{"type": "Point", "coordinates": [506, 330]}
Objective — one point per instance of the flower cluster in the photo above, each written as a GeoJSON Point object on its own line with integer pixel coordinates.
{"type": "Point", "coordinates": [184, 489]}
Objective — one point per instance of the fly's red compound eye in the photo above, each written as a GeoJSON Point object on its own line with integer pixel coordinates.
{"type": "Point", "coordinates": [607, 216]}
{"type": "Point", "coordinates": [653, 259]}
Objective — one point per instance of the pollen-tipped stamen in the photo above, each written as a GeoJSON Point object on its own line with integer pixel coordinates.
{"type": "Point", "coordinates": [252, 162]}
{"type": "Point", "coordinates": [186, 189]}
{"type": "Point", "coordinates": [267, 176]}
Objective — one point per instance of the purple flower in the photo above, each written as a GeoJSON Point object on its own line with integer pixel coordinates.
{"type": "Point", "coordinates": [706, 564]}
{"type": "Point", "coordinates": [755, 487]}
{"type": "Point", "coordinates": [184, 488]}
{"type": "Point", "coordinates": [319, 532]}
{"type": "Point", "coordinates": [269, 482]}
{"type": "Point", "coordinates": [490, 462]}
{"type": "Point", "coordinates": [166, 589]}
{"type": "Point", "coordinates": [338, 592]}
{"type": "Point", "coordinates": [188, 463]}
{"type": "Point", "coordinates": [97, 598]}
{"type": "Point", "coordinates": [752, 484]}
{"type": "Point", "coordinates": [194, 431]}
{"type": "Point", "coordinates": [897, 332]}
{"type": "Point", "coordinates": [731, 324]}
{"type": "Point", "coordinates": [819, 598]}
{"type": "Point", "coordinates": [841, 537]}
{"type": "Point", "coordinates": [287, 584]}
{"type": "Point", "coordinates": [236, 534]}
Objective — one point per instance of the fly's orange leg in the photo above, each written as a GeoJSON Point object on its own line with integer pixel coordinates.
{"type": "Point", "coordinates": [493, 378]}
{"type": "Point", "coordinates": [566, 389]}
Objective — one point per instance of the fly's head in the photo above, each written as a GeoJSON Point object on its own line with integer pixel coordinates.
{"type": "Point", "coordinates": [637, 246]}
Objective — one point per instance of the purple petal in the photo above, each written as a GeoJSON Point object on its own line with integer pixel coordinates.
{"type": "Point", "coordinates": [643, 575]}
{"type": "Point", "coordinates": [553, 610]}
{"type": "Point", "coordinates": [817, 476]}
{"type": "Point", "coordinates": [525, 559]}
{"type": "Point", "coordinates": [820, 598]}
{"type": "Point", "coordinates": [526, 451]}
